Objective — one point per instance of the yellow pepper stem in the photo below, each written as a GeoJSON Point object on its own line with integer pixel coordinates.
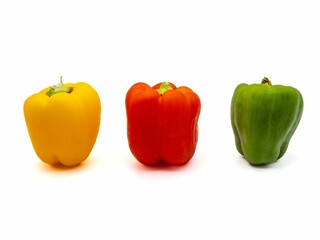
{"type": "Point", "coordinates": [58, 88]}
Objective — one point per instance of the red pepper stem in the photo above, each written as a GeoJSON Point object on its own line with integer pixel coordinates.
{"type": "Point", "coordinates": [58, 88]}
{"type": "Point", "coordinates": [165, 86]}
{"type": "Point", "coordinates": [266, 82]}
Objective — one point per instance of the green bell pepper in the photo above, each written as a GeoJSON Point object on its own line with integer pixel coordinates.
{"type": "Point", "coordinates": [263, 119]}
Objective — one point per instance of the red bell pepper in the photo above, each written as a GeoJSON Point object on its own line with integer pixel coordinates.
{"type": "Point", "coordinates": [162, 123]}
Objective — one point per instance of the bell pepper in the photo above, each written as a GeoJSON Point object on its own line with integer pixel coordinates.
{"type": "Point", "coordinates": [63, 122]}
{"type": "Point", "coordinates": [264, 117]}
{"type": "Point", "coordinates": [162, 123]}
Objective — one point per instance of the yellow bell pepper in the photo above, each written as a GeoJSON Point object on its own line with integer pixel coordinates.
{"type": "Point", "coordinates": [63, 122]}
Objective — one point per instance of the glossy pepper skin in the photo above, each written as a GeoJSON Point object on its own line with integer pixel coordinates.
{"type": "Point", "coordinates": [63, 127]}
{"type": "Point", "coordinates": [264, 118]}
{"type": "Point", "coordinates": [162, 123]}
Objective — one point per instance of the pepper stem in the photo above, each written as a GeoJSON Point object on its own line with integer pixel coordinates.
{"type": "Point", "coordinates": [58, 88]}
{"type": "Point", "coordinates": [165, 86]}
{"type": "Point", "coordinates": [266, 82]}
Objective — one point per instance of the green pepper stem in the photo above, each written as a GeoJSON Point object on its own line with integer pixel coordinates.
{"type": "Point", "coordinates": [165, 86]}
{"type": "Point", "coordinates": [58, 88]}
{"type": "Point", "coordinates": [266, 82]}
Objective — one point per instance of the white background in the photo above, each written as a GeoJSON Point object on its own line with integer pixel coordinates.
{"type": "Point", "coordinates": [209, 46]}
